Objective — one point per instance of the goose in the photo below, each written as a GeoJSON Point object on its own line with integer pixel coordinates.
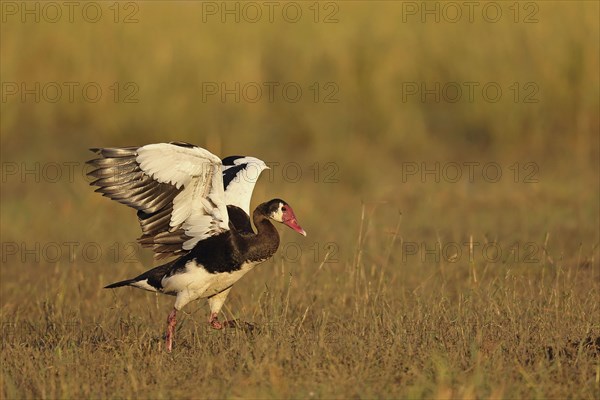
{"type": "Point", "coordinates": [195, 208]}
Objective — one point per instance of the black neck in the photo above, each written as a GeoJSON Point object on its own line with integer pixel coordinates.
{"type": "Point", "coordinates": [266, 240]}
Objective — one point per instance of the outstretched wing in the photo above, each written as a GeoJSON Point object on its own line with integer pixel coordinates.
{"type": "Point", "coordinates": [176, 187]}
{"type": "Point", "coordinates": [240, 174]}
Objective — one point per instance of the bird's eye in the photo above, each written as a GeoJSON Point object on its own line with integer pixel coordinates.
{"type": "Point", "coordinates": [284, 209]}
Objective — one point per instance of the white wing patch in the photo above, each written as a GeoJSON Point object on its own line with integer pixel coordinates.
{"type": "Point", "coordinates": [177, 165]}
{"type": "Point", "coordinates": [200, 208]}
{"type": "Point", "coordinates": [239, 189]}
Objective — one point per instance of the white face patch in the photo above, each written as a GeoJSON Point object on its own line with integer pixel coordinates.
{"type": "Point", "coordinates": [278, 215]}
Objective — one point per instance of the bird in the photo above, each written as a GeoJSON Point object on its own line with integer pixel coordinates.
{"type": "Point", "coordinates": [194, 208]}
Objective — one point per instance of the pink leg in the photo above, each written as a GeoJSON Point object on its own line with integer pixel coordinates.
{"type": "Point", "coordinates": [171, 322]}
{"type": "Point", "coordinates": [216, 324]}
{"type": "Point", "coordinates": [214, 321]}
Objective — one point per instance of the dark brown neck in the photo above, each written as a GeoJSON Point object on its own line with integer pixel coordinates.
{"type": "Point", "coordinates": [266, 240]}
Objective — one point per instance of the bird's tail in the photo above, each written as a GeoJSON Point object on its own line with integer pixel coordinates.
{"type": "Point", "coordinates": [149, 280]}
{"type": "Point", "coordinates": [119, 284]}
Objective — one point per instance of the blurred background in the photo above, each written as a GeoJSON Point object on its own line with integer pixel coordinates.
{"type": "Point", "coordinates": [345, 99]}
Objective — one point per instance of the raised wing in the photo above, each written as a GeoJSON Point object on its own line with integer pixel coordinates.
{"type": "Point", "coordinates": [177, 189]}
{"type": "Point", "coordinates": [239, 177]}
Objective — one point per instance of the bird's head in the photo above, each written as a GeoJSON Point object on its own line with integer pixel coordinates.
{"type": "Point", "coordinates": [280, 211]}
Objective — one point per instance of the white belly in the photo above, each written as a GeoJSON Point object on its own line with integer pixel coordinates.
{"type": "Point", "coordinates": [196, 282]}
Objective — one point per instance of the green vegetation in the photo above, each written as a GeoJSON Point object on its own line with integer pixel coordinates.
{"type": "Point", "coordinates": [385, 297]}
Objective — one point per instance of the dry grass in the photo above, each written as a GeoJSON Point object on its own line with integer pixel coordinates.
{"type": "Point", "coordinates": [370, 319]}
{"type": "Point", "coordinates": [346, 330]}
{"type": "Point", "coordinates": [368, 325]}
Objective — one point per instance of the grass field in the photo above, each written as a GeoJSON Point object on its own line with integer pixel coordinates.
{"type": "Point", "coordinates": [414, 281]}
